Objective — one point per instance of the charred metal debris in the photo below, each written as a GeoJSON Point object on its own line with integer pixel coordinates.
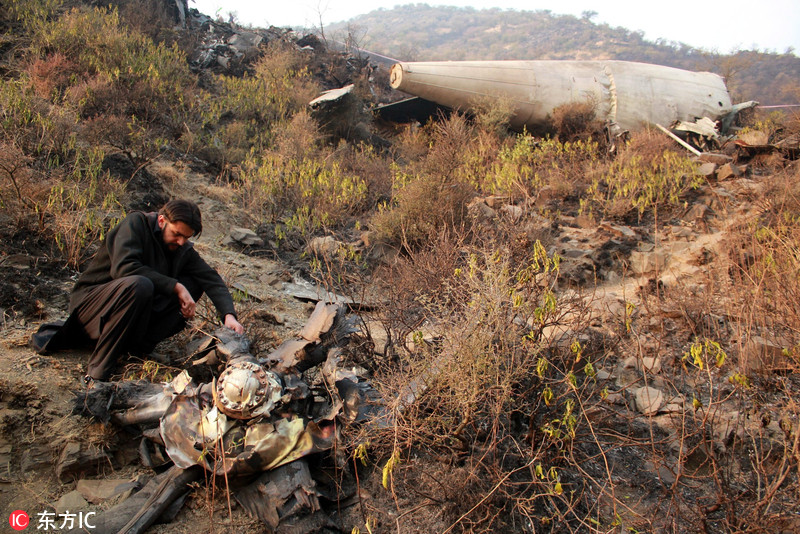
{"type": "Point", "coordinates": [253, 426]}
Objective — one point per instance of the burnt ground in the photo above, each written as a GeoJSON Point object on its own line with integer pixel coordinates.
{"type": "Point", "coordinates": [37, 393]}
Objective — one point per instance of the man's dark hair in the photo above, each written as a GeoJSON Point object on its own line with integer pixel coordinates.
{"type": "Point", "coordinates": [185, 211]}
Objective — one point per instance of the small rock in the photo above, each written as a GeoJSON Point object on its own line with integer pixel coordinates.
{"type": "Point", "coordinates": [760, 354]}
{"type": "Point", "coordinates": [480, 210]}
{"type": "Point", "coordinates": [626, 376]}
{"type": "Point", "coordinates": [380, 338]}
{"type": "Point", "coordinates": [617, 399]}
{"type": "Point", "coordinates": [243, 236]}
{"type": "Point", "coordinates": [648, 400]}
{"type": "Point", "coordinates": [269, 279]}
{"type": "Point", "coordinates": [697, 212]}
{"type": "Point", "coordinates": [496, 201]}
{"type": "Point", "coordinates": [707, 169]}
{"type": "Point", "coordinates": [681, 231]}
{"type": "Point", "coordinates": [384, 253]}
{"type": "Point", "coordinates": [573, 253]}
{"type": "Point", "coordinates": [645, 262]}
{"type": "Point", "coordinates": [602, 375]}
{"type": "Point", "coordinates": [513, 212]}
{"type": "Point", "coordinates": [78, 458]}
{"type": "Point", "coordinates": [729, 170]}
{"type": "Point", "coordinates": [97, 491]}
{"type": "Point", "coordinates": [70, 502]}
{"type": "Point", "coordinates": [650, 364]}
{"type": "Point", "coordinates": [619, 231]}
{"type": "Point", "coordinates": [672, 408]}
{"type": "Point", "coordinates": [323, 247]}
{"type": "Point", "coordinates": [36, 457]}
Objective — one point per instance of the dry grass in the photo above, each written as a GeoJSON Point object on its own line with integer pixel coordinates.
{"type": "Point", "coordinates": [499, 420]}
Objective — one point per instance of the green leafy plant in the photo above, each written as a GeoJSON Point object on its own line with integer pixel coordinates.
{"type": "Point", "coordinates": [638, 181]}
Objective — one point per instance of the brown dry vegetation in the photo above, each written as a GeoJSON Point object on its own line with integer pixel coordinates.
{"type": "Point", "coordinates": [509, 380]}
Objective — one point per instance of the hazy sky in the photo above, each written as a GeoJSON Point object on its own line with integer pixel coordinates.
{"type": "Point", "coordinates": [721, 25]}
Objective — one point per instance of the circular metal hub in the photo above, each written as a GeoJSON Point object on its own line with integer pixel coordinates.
{"type": "Point", "coordinates": [245, 389]}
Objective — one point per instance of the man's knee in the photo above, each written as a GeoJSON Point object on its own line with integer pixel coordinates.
{"type": "Point", "coordinates": [142, 288]}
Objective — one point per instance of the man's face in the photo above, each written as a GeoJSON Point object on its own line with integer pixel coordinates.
{"type": "Point", "coordinates": [175, 235]}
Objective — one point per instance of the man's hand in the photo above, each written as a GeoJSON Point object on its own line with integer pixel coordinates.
{"type": "Point", "coordinates": [187, 302]}
{"type": "Point", "coordinates": [233, 324]}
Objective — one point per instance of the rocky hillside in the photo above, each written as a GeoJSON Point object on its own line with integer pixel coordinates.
{"type": "Point", "coordinates": [557, 335]}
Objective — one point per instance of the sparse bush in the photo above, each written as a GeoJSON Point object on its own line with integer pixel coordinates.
{"type": "Point", "coordinates": [493, 114]}
{"type": "Point", "coordinates": [52, 75]}
{"type": "Point", "coordinates": [524, 168]}
{"type": "Point", "coordinates": [373, 167]}
{"type": "Point", "coordinates": [305, 194]}
{"type": "Point", "coordinates": [21, 190]}
{"type": "Point", "coordinates": [297, 138]}
{"type": "Point", "coordinates": [646, 175]}
{"type": "Point", "coordinates": [259, 105]}
{"type": "Point", "coordinates": [148, 81]}
{"type": "Point", "coordinates": [430, 195]}
{"type": "Point", "coordinates": [33, 13]}
{"type": "Point", "coordinates": [422, 207]}
{"type": "Point", "coordinates": [765, 266]}
{"type": "Point", "coordinates": [82, 205]}
{"type": "Point", "coordinates": [485, 383]}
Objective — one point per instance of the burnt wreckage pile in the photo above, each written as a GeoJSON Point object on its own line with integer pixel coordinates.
{"type": "Point", "coordinates": [250, 428]}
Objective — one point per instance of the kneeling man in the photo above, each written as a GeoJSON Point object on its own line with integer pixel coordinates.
{"type": "Point", "coordinates": [141, 287]}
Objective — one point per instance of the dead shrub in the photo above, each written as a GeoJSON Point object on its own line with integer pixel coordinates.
{"type": "Point", "coordinates": [421, 274]}
{"type": "Point", "coordinates": [423, 207]}
{"type": "Point", "coordinates": [152, 18]}
{"type": "Point", "coordinates": [283, 66]}
{"type": "Point", "coordinates": [365, 161]}
{"type": "Point", "coordinates": [647, 176]}
{"type": "Point", "coordinates": [412, 144]}
{"type": "Point", "coordinates": [52, 75]}
{"type": "Point", "coordinates": [130, 137]}
{"type": "Point", "coordinates": [479, 380]}
{"type": "Point", "coordinates": [22, 191]}
{"type": "Point", "coordinates": [298, 137]}
{"type": "Point", "coordinates": [493, 114]}
{"type": "Point", "coordinates": [430, 195]}
{"type": "Point", "coordinates": [59, 139]}
{"type": "Point", "coordinates": [95, 96]}
{"type": "Point", "coordinates": [450, 139]}
{"type": "Point", "coordinates": [765, 272]}
{"type": "Point", "coordinates": [576, 120]}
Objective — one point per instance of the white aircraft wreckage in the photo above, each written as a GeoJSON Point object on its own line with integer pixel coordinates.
{"type": "Point", "coordinates": [627, 95]}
